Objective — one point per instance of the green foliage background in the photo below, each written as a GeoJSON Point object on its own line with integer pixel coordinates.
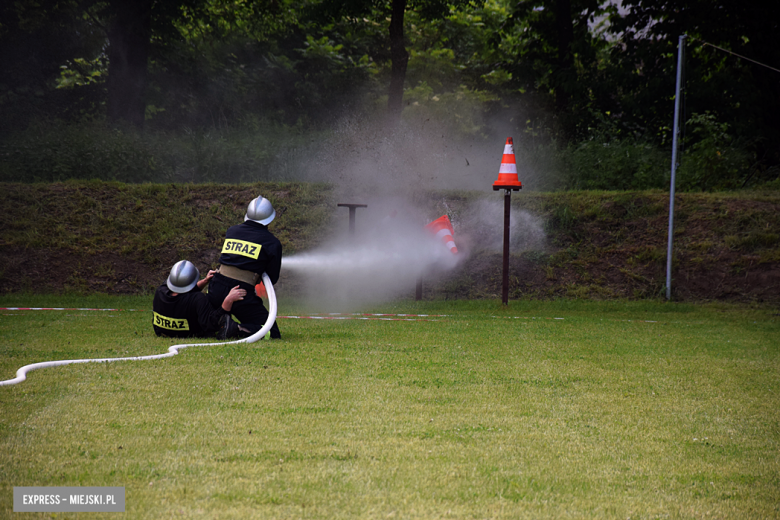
{"type": "Point", "coordinates": [235, 89]}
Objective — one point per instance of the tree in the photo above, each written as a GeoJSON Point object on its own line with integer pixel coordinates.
{"type": "Point", "coordinates": [395, 10]}
{"type": "Point", "coordinates": [37, 39]}
{"type": "Point", "coordinates": [399, 58]}
{"type": "Point", "coordinates": [198, 61]}
{"type": "Point", "coordinates": [129, 35]}
{"type": "Point", "coordinates": [553, 53]}
{"type": "Point", "coordinates": [132, 28]}
{"type": "Point", "coordinates": [740, 92]}
{"type": "Point", "coordinates": [59, 33]}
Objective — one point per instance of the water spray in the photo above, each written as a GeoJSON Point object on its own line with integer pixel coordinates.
{"type": "Point", "coordinates": [21, 374]}
{"type": "Point", "coordinates": [381, 262]}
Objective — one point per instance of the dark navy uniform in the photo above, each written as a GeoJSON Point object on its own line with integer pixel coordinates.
{"type": "Point", "coordinates": [185, 315]}
{"type": "Point", "coordinates": [250, 247]}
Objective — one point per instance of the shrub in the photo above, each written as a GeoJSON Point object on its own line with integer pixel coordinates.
{"type": "Point", "coordinates": [52, 151]}
{"type": "Point", "coordinates": [714, 160]}
{"type": "Point", "coordinates": [48, 152]}
{"type": "Point", "coordinates": [616, 165]}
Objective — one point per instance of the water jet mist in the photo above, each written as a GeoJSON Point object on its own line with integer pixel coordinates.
{"type": "Point", "coordinates": [382, 262]}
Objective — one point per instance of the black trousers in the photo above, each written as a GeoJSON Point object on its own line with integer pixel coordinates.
{"type": "Point", "coordinates": [250, 311]}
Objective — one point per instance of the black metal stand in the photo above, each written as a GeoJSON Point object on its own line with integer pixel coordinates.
{"type": "Point", "coordinates": [505, 282]}
{"type": "Point", "coordinates": [352, 208]}
{"type": "Point", "coordinates": [508, 189]}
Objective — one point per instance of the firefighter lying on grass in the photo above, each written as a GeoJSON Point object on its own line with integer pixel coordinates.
{"type": "Point", "coordinates": [181, 310]}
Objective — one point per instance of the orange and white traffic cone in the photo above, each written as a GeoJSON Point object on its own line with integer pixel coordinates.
{"type": "Point", "coordinates": [442, 228]}
{"type": "Point", "coordinates": [507, 173]}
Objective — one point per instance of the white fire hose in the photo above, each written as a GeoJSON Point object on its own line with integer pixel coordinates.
{"type": "Point", "coordinates": [21, 374]}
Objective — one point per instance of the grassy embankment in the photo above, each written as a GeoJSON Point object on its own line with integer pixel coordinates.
{"type": "Point", "coordinates": [539, 410]}
{"type": "Point", "coordinates": [111, 237]}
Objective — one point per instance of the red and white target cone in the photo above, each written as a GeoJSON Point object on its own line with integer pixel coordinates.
{"type": "Point", "coordinates": [507, 173]}
{"type": "Point", "coordinates": [442, 228]}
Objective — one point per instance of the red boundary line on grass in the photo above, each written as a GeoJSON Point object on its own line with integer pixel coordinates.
{"type": "Point", "coordinates": [360, 317]}
{"type": "Point", "coordinates": [147, 310]}
{"type": "Point", "coordinates": [330, 316]}
{"type": "Point", "coordinates": [65, 309]}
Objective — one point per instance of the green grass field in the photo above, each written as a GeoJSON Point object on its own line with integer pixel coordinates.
{"type": "Point", "coordinates": [540, 410]}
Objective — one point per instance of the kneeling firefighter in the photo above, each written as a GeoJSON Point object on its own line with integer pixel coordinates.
{"type": "Point", "coordinates": [249, 250]}
{"type": "Point", "coordinates": [181, 310]}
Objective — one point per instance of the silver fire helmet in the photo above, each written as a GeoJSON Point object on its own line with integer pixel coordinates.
{"type": "Point", "coordinates": [183, 277]}
{"type": "Point", "coordinates": [260, 211]}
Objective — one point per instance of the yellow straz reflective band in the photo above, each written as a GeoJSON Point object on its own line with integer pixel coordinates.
{"type": "Point", "coordinates": [170, 323]}
{"type": "Point", "coordinates": [240, 247]}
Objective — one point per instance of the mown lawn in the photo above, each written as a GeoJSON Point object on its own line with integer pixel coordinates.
{"type": "Point", "coordinates": [539, 410]}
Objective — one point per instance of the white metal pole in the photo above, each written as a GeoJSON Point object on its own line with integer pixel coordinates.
{"type": "Point", "coordinates": [680, 63]}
